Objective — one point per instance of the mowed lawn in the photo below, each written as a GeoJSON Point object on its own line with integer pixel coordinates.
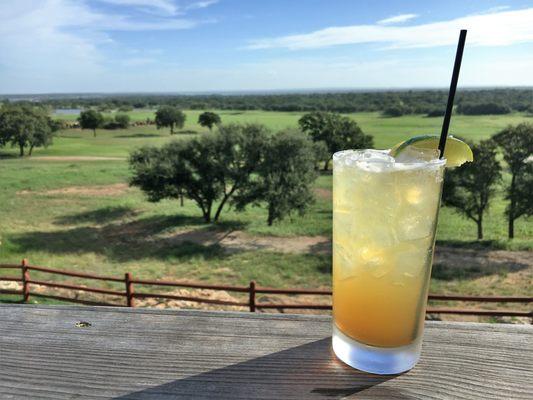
{"type": "Point", "coordinates": [386, 131]}
{"type": "Point", "coordinates": [80, 215]}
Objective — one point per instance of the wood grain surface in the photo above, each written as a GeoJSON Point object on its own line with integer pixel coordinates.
{"type": "Point", "coordinates": [167, 354]}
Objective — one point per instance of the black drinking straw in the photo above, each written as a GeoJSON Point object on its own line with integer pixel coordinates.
{"type": "Point", "coordinates": [451, 93]}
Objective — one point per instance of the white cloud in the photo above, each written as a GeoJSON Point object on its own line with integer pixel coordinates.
{"type": "Point", "coordinates": [165, 6]}
{"type": "Point", "coordinates": [495, 9]}
{"type": "Point", "coordinates": [201, 4]}
{"type": "Point", "coordinates": [397, 19]}
{"type": "Point", "coordinates": [492, 29]}
{"type": "Point", "coordinates": [34, 37]}
{"type": "Point", "coordinates": [65, 41]}
{"type": "Point", "coordinates": [127, 24]}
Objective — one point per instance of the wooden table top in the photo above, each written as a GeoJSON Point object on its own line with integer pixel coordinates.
{"type": "Point", "coordinates": [172, 354]}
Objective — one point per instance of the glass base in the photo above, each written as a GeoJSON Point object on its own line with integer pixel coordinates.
{"type": "Point", "coordinates": [376, 360]}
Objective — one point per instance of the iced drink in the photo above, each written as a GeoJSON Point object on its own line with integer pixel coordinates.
{"type": "Point", "coordinates": [384, 220]}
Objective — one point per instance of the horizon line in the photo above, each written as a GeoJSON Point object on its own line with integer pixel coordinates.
{"type": "Point", "coordinates": [265, 91]}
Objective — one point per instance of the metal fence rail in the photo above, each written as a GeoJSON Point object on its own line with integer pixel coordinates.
{"type": "Point", "coordinates": [253, 303]}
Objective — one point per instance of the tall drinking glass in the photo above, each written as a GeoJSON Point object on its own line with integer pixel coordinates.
{"type": "Point", "coordinates": [384, 220]}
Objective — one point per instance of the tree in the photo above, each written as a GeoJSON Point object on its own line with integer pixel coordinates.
{"type": "Point", "coordinates": [469, 188]}
{"type": "Point", "coordinates": [15, 126]}
{"type": "Point", "coordinates": [337, 131]}
{"type": "Point", "coordinates": [209, 119]}
{"type": "Point", "coordinates": [122, 120]}
{"type": "Point", "coordinates": [91, 119]}
{"type": "Point", "coordinates": [168, 116]}
{"type": "Point", "coordinates": [284, 177]}
{"type": "Point", "coordinates": [125, 108]}
{"type": "Point", "coordinates": [395, 110]}
{"type": "Point", "coordinates": [516, 143]}
{"type": "Point", "coordinates": [209, 169]}
{"type": "Point", "coordinates": [43, 132]}
{"type": "Point", "coordinates": [25, 127]}
{"type": "Point", "coordinates": [524, 192]}
{"type": "Point", "coordinates": [104, 107]}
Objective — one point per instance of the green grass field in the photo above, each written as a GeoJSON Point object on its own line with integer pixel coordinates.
{"type": "Point", "coordinates": [386, 131]}
{"type": "Point", "coordinates": [110, 232]}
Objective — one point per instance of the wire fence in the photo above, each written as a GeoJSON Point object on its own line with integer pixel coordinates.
{"type": "Point", "coordinates": [253, 302]}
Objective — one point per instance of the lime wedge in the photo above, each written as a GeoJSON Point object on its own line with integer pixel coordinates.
{"type": "Point", "coordinates": [456, 151]}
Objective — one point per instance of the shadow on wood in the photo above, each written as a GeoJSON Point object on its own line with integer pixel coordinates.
{"type": "Point", "coordinates": [307, 371]}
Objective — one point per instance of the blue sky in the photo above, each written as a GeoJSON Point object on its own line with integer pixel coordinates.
{"type": "Point", "coordinates": [49, 46]}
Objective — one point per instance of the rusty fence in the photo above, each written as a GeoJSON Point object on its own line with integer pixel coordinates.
{"type": "Point", "coordinates": [254, 292]}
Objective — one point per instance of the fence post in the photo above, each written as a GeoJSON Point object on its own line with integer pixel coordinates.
{"type": "Point", "coordinates": [252, 296]}
{"type": "Point", "coordinates": [25, 281]}
{"type": "Point", "coordinates": [129, 289]}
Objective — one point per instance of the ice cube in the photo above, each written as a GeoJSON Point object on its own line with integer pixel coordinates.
{"type": "Point", "coordinates": [376, 161]}
{"type": "Point", "coordinates": [379, 229]}
{"type": "Point", "coordinates": [414, 226]}
{"type": "Point", "coordinates": [413, 154]}
{"type": "Point", "coordinates": [368, 160]}
{"type": "Point", "coordinates": [344, 264]}
{"type": "Point", "coordinates": [411, 260]}
{"type": "Point", "coordinates": [375, 260]}
{"type": "Point", "coordinates": [413, 195]}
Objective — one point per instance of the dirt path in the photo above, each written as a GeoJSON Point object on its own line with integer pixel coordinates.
{"type": "Point", "coordinates": [482, 258]}
{"type": "Point", "coordinates": [322, 193]}
{"type": "Point", "coordinates": [95, 190]}
{"type": "Point", "coordinates": [234, 241]}
{"type": "Point", "coordinates": [77, 158]}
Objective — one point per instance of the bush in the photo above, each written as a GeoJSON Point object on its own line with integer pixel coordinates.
{"type": "Point", "coordinates": [437, 112]}
{"type": "Point", "coordinates": [122, 120]}
{"type": "Point", "coordinates": [482, 108]}
{"type": "Point", "coordinates": [394, 111]}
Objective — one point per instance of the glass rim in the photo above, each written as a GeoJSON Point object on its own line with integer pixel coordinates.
{"type": "Point", "coordinates": [434, 162]}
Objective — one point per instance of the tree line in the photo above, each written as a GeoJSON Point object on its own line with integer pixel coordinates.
{"type": "Point", "coordinates": [429, 102]}
{"type": "Point", "coordinates": [165, 117]}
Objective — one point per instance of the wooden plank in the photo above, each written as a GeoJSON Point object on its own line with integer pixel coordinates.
{"type": "Point", "coordinates": [10, 291]}
{"type": "Point", "coordinates": [188, 298]}
{"type": "Point", "coordinates": [74, 300]}
{"type": "Point", "coordinates": [75, 274]}
{"type": "Point", "coordinates": [171, 354]}
{"type": "Point", "coordinates": [77, 287]}
{"type": "Point", "coordinates": [191, 285]}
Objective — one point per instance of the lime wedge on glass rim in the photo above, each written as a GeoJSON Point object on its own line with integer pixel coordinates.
{"type": "Point", "coordinates": [456, 151]}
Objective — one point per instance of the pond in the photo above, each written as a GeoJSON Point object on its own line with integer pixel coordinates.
{"type": "Point", "coordinates": [67, 111]}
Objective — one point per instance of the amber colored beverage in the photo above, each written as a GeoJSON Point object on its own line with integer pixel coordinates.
{"type": "Point", "coordinates": [384, 221]}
